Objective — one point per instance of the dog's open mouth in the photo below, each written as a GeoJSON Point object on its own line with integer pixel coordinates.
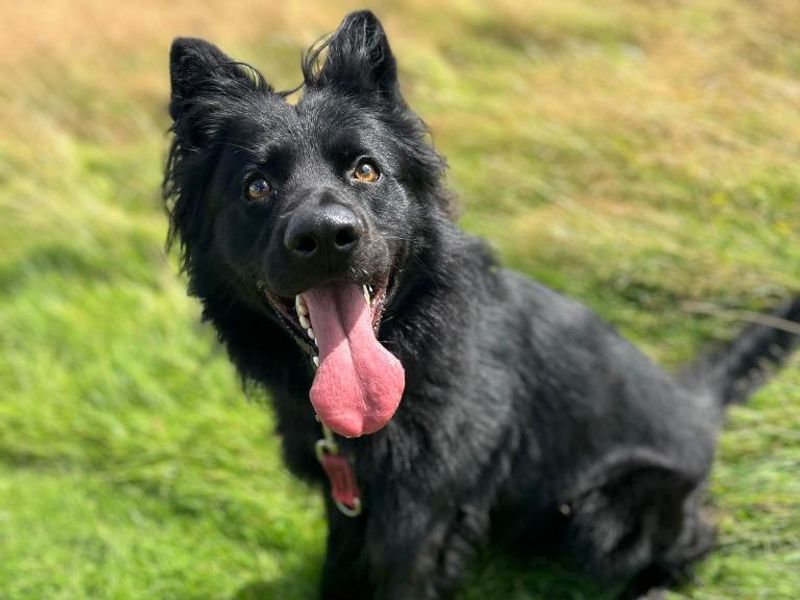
{"type": "Point", "coordinates": [358, 383]}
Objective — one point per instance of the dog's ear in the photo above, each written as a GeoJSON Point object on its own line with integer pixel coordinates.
{"type": "Point", "coordinates": [202, 77]}
{"type": "Point", "coordinates": [359, 59]}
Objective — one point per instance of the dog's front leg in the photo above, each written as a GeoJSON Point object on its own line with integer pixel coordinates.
{"type": "Point", "coordinates": [416, 555]}
{"type": "Point", "coordinates": [431, 551]}
{"type": "Point", "coordinates": [346, 574]}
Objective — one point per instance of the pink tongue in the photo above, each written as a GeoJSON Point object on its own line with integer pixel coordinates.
{"type": "Point", "coordinates": [359, 383]}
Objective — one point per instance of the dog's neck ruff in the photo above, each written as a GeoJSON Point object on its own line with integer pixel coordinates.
{"type": "Point", "coordinates": [344, 488]}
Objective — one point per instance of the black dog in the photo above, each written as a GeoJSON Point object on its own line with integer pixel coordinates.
{"type": "Point", "coordinates": [319, 234]}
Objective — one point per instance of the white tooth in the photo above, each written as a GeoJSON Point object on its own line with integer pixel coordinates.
{"type": "Point", "coordinates": [304, 322]}
{"type": "Point", "coordinates": [300, 305]}
{"type": "Point", "coordinates": [366, 293]}
{"type": "Point", "coordinates": [315, 360]}
{"type": "Point", "coordinates": [310, 333]}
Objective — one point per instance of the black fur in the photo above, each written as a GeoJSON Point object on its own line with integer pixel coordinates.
{"type": "Point", "coordinates": [525, 418]}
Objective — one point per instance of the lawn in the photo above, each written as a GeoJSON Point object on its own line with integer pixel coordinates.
{"type": "Point", "coordinates": [643, 157]}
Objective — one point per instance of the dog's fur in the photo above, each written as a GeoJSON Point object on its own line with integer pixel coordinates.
{"type": "Point", "coordinates": [525, 417]}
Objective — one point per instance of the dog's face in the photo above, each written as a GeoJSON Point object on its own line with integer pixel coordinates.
{"type": "Point", "coordinates": [306, 211]}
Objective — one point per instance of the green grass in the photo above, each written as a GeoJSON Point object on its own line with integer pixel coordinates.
{"type": "Point", "coordinates": [640, 157]}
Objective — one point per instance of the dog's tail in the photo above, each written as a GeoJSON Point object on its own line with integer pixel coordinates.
{"type": "Point", "coordinates": [737, 369]}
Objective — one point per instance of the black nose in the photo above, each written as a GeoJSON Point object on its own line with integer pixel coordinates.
{"type": "Point", "coordinates": [328, 233]}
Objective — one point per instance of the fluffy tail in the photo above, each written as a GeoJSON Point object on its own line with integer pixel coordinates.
{"type": "Point", "coordinates": [739, 368]}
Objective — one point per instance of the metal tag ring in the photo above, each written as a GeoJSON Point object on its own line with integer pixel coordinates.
{"type": "Point", "coordinates": [323, 447]}
{"type": "Point", "coordinates": [346, 510]}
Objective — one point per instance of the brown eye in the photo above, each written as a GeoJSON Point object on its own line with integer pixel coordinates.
{"type": "Point", "coordinates": [258, 189]}
{"type": "Point", "coordinates": [366, 172]}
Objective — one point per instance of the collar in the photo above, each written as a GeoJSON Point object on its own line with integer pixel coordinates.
{"type": "Point", "coordinates": [344, 488]}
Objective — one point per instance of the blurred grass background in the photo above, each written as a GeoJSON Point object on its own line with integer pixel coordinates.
{"type": "Point", "coordinates": [639, 155]}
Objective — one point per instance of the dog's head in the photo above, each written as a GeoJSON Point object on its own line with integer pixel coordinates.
{"type": "Point", "coordinates": [306, 212]}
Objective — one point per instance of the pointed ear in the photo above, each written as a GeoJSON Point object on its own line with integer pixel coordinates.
{"type": "Point", "coordinates": [202, 76]}
{"type": "Point", "coordinates": [359, 59]}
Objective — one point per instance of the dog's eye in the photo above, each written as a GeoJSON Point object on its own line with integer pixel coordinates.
{"type": "Point", "coordinates": [366, 172]}
{"type": "Point", "coordinates": [258, 188]}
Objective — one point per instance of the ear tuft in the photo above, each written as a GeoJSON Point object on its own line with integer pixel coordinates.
{"type": "Point", "coordinates": [191, 62]}
{"type": "Point", "coordinates": [359, 58]}
{"type": "Point", "coordinates": [202, 77]}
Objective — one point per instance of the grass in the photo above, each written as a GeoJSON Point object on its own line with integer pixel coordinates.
{"type": "Point", "coordinates": [639, 156]}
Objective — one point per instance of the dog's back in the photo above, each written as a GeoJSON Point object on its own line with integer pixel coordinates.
{"type": "Point", "coordinates": [620, 449]}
